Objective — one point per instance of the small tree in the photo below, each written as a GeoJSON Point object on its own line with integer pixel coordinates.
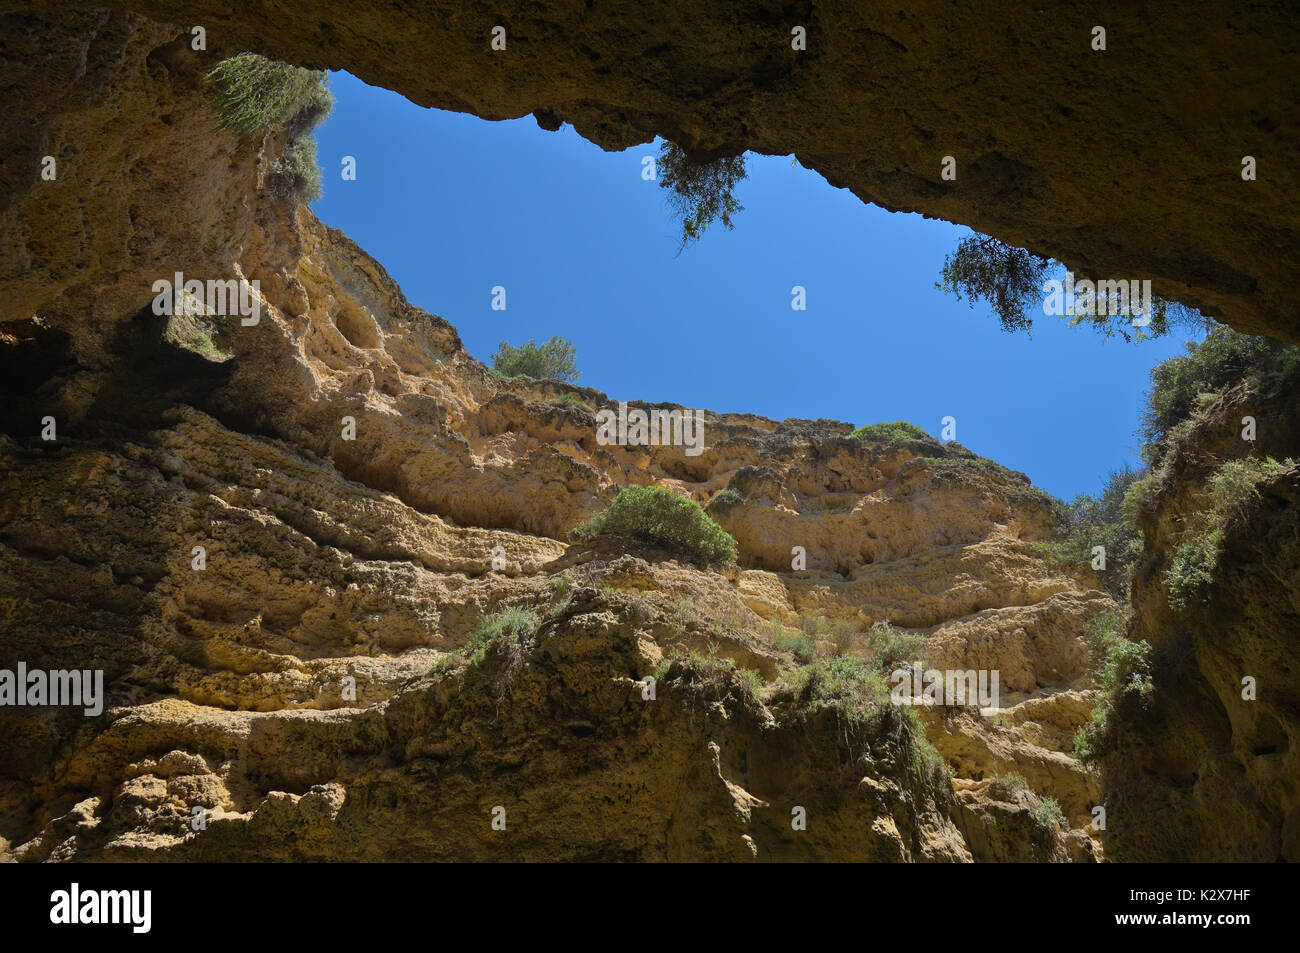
{"type": "Point", "coordinates": [699, 192]}
{"type": "Point", "coordinates": [1010, 279]}
{"type": "Point", "coordinates": [554, 360]}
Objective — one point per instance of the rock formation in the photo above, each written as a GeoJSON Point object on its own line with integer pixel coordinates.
{"type": "Point", "coordinates": [330, 563]}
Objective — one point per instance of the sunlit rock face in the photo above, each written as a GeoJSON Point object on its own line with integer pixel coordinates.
{"type": "Point", "coordinates": [277, 540]}
{"type": "Point", "coordinates": [1074, 151]}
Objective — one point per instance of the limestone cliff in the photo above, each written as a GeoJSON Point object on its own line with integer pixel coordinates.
{"type": "Point", "coordinates": [330, 561]}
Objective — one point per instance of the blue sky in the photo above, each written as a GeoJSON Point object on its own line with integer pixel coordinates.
{"type": "Point", "coordinates": [452, 205]}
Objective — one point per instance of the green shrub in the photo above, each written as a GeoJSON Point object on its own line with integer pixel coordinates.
{"type": "Point", "coordinates": [1222, 359]}
{"type": "Point", "coordinates": [1047, 813]}
{"type": "Point", "coordinates": [659, 515]}
{"type": "Point", "coordinates": [1127, 667]}
{"type": "Point", "coordinates": [1232, 490]}
{"type": "Point", "coordinates": [727, 497]}
{"type": "Point", "coordinates": [1102, 521]}
{"type": "Point", "coordinates": [1191, 568]}
{"type": "Point", "coordinates": [1125, 670]}
{"type": "Point", "coordinates": [890, 432]}
{"type": "Point", "coordinates": [842, 632]}
{"type": "Point", "coordinates": [1234, 486]}
{"type": "Point", "coordinates": [800, 646]}
{"type": "Point", "coordinates": [553, 360]}
{"type": "Point", "coordinates": [891, 649]}
{"type": "Point", "coordinates": [699, 192]}
{"type": "Point", "coordinates": [1013, 782]}
{"type": "Point", "coordinates": [856, 692]}
{"type": "Point", "coordinates": [513, 627]}
{"type": "Point", "coordinates": [251, 92]}
{"type": "Point", "coordinates": [295, 174]}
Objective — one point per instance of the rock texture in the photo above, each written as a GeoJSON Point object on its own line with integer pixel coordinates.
{"type": "Point", "coordinates": [1198, 772]}
{"type": "Point", "coordinates": [1124, 163]}
{"type": "Point", "coordinates": [307, 685]}
{"type": "Point", "coordinates": [316, 688]}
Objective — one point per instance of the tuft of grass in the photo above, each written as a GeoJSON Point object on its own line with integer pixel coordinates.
{"type": "Point", "coordinates": [857, 692]}
{"type": "Point", "coordinates": [514, 627]}
{"type": "Point", "coordinates": [572, 400]}
{"type": "Point", "coordinates": [658, 515]}
{"type": "Point", "coordinates": [251, 92]}
{"type": "Point", "coordinates": [1012, 781]}
{"type": "Point", "coordinates": [1047, 813]}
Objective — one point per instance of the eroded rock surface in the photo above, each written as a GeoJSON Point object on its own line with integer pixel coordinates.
{"type": "Point", "coordinates": [1122, 171]}
{"type": "Point", "coordinates": [330, 561]}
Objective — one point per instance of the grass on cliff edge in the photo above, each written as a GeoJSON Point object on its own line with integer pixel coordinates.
{"type": "Point", "coordinates": [1124, 672]}
{"type": "Point", "coordinates": [251, 93]}
{"type": "Point", "coordinates": [658, 515]}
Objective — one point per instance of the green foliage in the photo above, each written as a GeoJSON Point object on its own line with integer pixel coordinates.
{"type": "Point", "coordinates": [800, 646]}
{"type": "Point", "coordinates": [1047, 813]}
{"type": "Point", "coordinates": [295, 172]}
{"type": "Point", "coordinates": [251, 92]}
{"type": "Point", "coordinates": [560, 585]}
{"type": "Point", "coordinates": [925, 756]}
{"type": "Point", "coordinates": [1125, 671]}
{"type": "Point", "coordinates": [727, 497]}
{"type": "Point", "coordinates": [857, 692]}
{"type": "Point", "coordinates": [890, 432]}
{"type": "Point", "coordinates": [1102, 521]}
{"type": "Point", "coordinates": [699, 192]}
{"type": "Point", "coordinates": [512, 627]}
{"type": "Point", "coordinates": [1232, 489]}
{"type": "Point", "coordinates": [891, 649]}
{"type": "Point", "coordinates": [1013, 782]}
{"type": "Point", "coordinates": [1192, 567]}
{"type": "Point", "coordinates": [1127, 667]}
{"type": "Point", "coordinates": [1234, 486]}
{"type": "Point", "coordinates": [1010, 279]}
{"type": "Point", "coordinates": [1223, 358]}
{"type": "Point", "coordinates": [658, 515]}
{"type": "Point", "coordinates": [715, 675]}
{"type": "Point", "coordinates": [572, 400]}
{"type": "Point", "coordinates": [554, 360]}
